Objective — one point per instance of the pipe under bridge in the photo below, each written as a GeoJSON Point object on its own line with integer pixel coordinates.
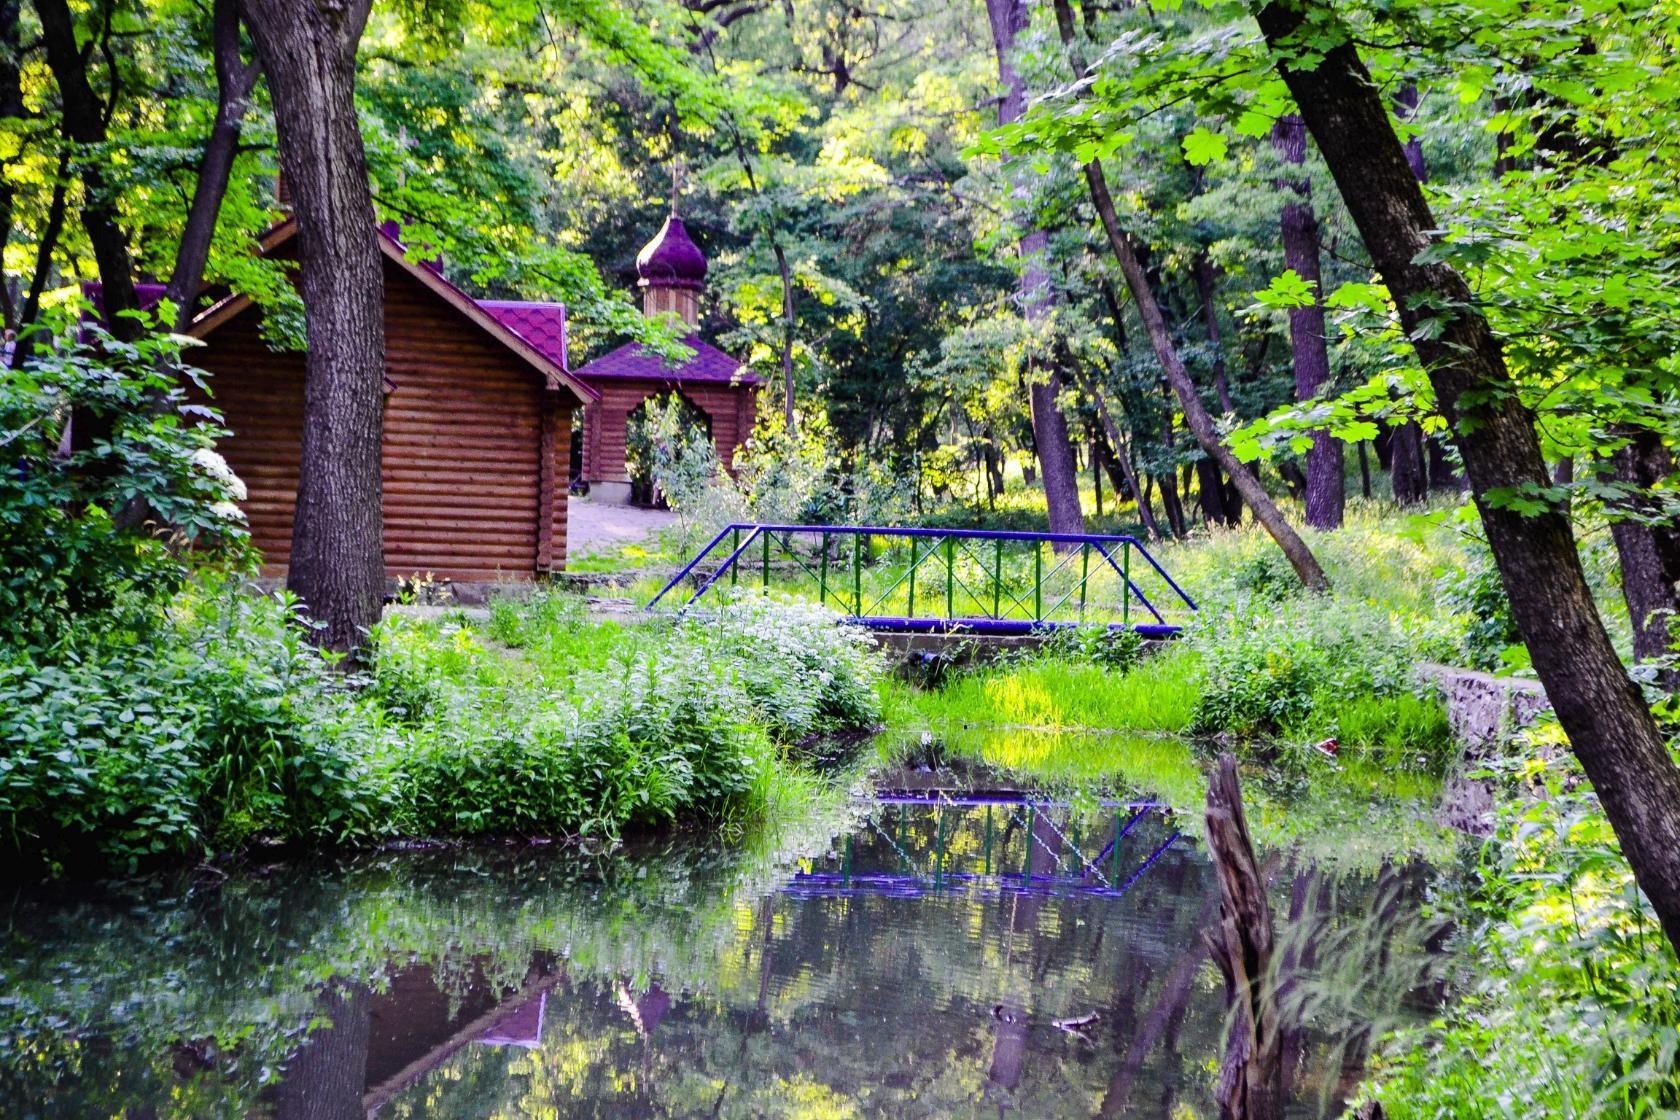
{"type": "Point", "coordinates": [916, 580]}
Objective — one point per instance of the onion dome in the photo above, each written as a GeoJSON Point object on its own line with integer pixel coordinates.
{"type": "Point", "coordinates": [671, 259]}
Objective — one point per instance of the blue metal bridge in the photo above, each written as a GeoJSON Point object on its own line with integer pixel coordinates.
{"type": "Point", "coordinates": [979, 581]}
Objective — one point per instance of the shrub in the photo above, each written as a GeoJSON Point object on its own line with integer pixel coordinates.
{"type": "Point", "coordinates": [658, 739]}
{"type": "Point", "coordinates": [226, 726]}
{"type": "Point", "coordinates": [66, 548]}
{"type": "Point", "coordinates": [1269, 668]}
{"type": "Point", "coordinates": [802, 670]}
{"type": "Point", "coordinates": [1567, 998]}
{"type": "Point", "coordinates": [1474, 590]}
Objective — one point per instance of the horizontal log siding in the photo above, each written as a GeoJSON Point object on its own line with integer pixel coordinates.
{"type": "Point", "coordinates": [731, 409]}
{"type": "Point", "coordinates": [463, 474]}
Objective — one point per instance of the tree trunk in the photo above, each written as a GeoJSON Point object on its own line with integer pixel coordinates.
{"type": "Point", "coordinates": [308, 50]}
{"type": "Point", "coordinates": [787, 332]}
{"type": "Point", "coordinates": [11, 111]}
{"type": "Point", "coordinates": [326, 1077]}
{"type": "Point", "coordinates": [1203, 269]}
{"type": "Point", "coordinates": [1648, 583]}
{"type": "Point", "coordinates": [1325, 498]}
{"type": "Point", "coordinates": [1406, 469]}
{"type": "Point", "coordinates": [1123, 457]}
{"type": "Point", "coordinates": [1364, 472]}
{"type": "Point", "coordinates": [1195, 413]}
{"type": "Point", "coordinates": [1009, 18]}
{"type": "Point", "coordinates": [84, 127]}
{"type": "Point", "coordinates": [1211, 495]}
{"type": "Point", "coordinates": [1250, 1085]}
{"type": "Point", "coordinates": [235, 79]}
{"type": "Point", "coordinates": [1601, 710]}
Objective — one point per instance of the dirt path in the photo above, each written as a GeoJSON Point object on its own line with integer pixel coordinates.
{"type": "Point", "coordinates": [592, 527]}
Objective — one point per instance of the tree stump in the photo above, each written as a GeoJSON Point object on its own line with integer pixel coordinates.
{"type": "Point", "coordinates": [1251, 1077]}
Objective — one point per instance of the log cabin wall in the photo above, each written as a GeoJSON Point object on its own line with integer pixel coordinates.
{"type": "Point", "coordinates": [730, 408]}
{"type": "Point", "coordinates": [472, 451]}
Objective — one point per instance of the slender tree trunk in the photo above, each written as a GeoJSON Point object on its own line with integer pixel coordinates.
{"type": "Point", "coordinates": [308, 50]}
{"type": "Point", "coordinates": [1364, 472]}
{"type": "Point", "coordinates": [84, 127]}
{"type": "Point", "coordinates": [1195, 413]}
{"type": "Point", "coordinates": [1203, 269]}
{"type": "Point", "coordinates": [1123, 457]}
{"type": "Point", "coordinates": [1009, 18]}
{"type": "Point", "coordinates": [1648, 575]}
{"type": "Point", "coordinates": [787, 332]}
{"type": "Point", "coordinates": [44, 247]}
{"type": "Point", "coordinates": [235, 78]}
{"type": "Point", "coordinates": [11, 110]}
{"type": "Point", "coordinates": [1601, 710]}
{"type": "Point", "coordinates": [1325, 497]}
{"type": "Point", "coordinates": [1407, 472]}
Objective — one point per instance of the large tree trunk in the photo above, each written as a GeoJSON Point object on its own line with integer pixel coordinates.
{"type": "Point", "coordinates": [1009, 18]}
{"type": "Point", "coordinates": [1325, 498]}
{"type": "Point", "coordinates": [1160, 339]}
{"type": "Point", "coordinates": [308, 50]}
{"type": "Point", "coordinates": [1601, 709]}
{"type": "Point", "coordinates": [235, 79]}
{"type": "Point", "coordinates": [326, 1077]}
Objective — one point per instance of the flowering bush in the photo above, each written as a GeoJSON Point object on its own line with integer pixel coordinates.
{"type": "Point", "coordinates": [69, 545]}
{"type": "Point", "coordinates": [803, 671]}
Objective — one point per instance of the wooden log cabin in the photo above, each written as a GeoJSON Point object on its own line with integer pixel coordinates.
{"type": "Point", "coordinates": [478, 422]}
{"type": "Point", "coordinates": [671, 273]}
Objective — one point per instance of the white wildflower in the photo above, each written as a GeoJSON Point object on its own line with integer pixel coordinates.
{"type": "Point", "coordinates": [211, 463]}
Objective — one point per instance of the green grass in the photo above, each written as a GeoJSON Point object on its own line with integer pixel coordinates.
{"type": "Point", "coordinates": [1157, 696]}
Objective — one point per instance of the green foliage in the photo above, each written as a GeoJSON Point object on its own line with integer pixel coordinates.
{"type": "Point", "coordinates": [1566, 1000]}
{"type": "Point", "coordinates": [65, 549]}
{"type": "Point", "coordinates": [1476, 592]}
{"type": "Point", "coordinates": [222, 727]}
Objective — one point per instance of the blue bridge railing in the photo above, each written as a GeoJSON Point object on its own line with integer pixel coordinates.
{"type": "Point", "coordinates": [936, 580]}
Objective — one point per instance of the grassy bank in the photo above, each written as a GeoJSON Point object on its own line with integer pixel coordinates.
{"type": "Point", "coordinates": [214, 725]}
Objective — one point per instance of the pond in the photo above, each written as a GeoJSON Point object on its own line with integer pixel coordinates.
{"type": "Point", "coordinates": [941, 947]}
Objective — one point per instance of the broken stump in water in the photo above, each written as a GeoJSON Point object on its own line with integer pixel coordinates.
{"type": "Point", "coordinates": [1251, 1077]}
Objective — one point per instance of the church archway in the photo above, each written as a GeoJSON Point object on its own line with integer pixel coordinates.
{"type": "Point", "coordinates": [662, 425]}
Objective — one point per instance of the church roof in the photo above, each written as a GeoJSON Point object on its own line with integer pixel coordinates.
{"type": "Point", "coordinates": [543, 325]}
{"type": "Point", "coordinates": [633, 360]}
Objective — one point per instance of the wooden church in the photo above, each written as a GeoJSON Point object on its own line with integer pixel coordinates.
{"type": "Point", "coordinates": [480, 409]}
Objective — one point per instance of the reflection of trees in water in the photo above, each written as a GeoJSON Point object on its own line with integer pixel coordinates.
{"type": "Point", "coordinates": [852, 1005]}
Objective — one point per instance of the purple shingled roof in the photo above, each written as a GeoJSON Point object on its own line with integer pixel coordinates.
{"type": "Point", "coordinates": [543, 325]}
{"type": "Point", "coordinates": [633, 360]}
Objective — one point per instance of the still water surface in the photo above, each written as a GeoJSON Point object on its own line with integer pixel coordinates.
{"type": "Point", "coordinates": [906, 958]}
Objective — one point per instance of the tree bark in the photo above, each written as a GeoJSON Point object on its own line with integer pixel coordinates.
{"type": "Point", "coordinates": [1407, 472]}
{"type": "Point", "coordinates": [1600, 708]}
{"type": "Point", "coordinates": [235, 78]}
{"type": "Point", "coordinates": [1325, 497]}
{"type": "Point", "coordinates": [1009, 18]}
{"type": "Point", "coordinates": [1250, 1085]}
{"type": "Point", "coordinates": [83, 121]}
{"type": "Point", "coordinates": [1123, 457]}
{"type": "Point", "coordinates": [1648, 577]}
{"type": "Point", "coordinates": [325, 1078]}
{"type": "Point", "coordinates": [308, 50]}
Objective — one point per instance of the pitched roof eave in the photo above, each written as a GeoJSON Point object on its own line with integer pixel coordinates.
{"type": "Point", "coordinates": [554, 376]}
